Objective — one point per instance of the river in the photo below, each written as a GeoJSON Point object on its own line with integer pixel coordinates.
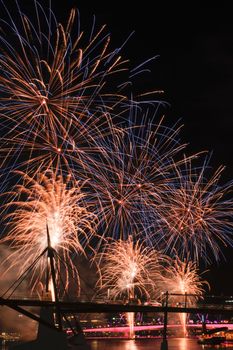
{"type": "Point", "coordinates": [153, 344]}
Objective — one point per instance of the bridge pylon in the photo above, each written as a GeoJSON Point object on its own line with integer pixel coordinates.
{"type": "Point", "coordinates": [54, 336]}
{"type": "Point", "coordinates": [164, 344]}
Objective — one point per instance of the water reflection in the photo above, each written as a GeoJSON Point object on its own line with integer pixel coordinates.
{"type": "Point", "coordinates": [131, 345]}
{"type": "Point", "coordinates": [153, 344]}
{"type": "Point", "coordinates": [114, 344]}
{"type": "Point", "coordinates": [183, 344]}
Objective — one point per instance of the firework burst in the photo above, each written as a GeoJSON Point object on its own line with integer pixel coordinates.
{"type": "Point", "coordinates": [60, 116]}
{"type": "Point", "coordinates": [129, 269]}
{"type": "Point", "coordinates": [50, 203]}
{"type": "Point", "coordinates": [182, 277]}
{"type": "Point", "coordinates": [196, 213]}
{"type": "Point", "coordinates": [53, 79]}
{"type": "Point", "coordinates": [134, 168]}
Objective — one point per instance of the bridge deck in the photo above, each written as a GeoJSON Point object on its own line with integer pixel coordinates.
{"type": "Point", "coordinates": [93, 307]}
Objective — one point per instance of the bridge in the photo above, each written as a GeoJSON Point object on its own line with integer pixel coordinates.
{"type": "Point", "coordinates": [211, 305]}
{"type": "Point", "coordinates": [76, 307]}
{"type": "Point", "coordinates": [152, 327]}
{"type": "Point", "coordinates": [185, 303]}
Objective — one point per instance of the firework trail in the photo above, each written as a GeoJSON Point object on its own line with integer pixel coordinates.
{"type": "Point", "coordinates": [53, 80]}
{"type": "Point", "coordinates": [49, 202]}
{"type": "Point", "coordinates": [182, 277]}
{"type": "Point", "coordinates": [133, 169]}
{"type": "Point", "coordinates": [196, 213]}
{"type": "Point", "coordinates": [59, 116]}
{"type": "Point", "coordinates": [127, 270]}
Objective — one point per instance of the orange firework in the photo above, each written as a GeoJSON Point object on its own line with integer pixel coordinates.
{"type": "Point", "coordinates": [182, 277]}
{"type": "Point", "coordinates": [53, 80]}
{"type": "Point", "coordinates": [129, 269]}
{"type": "Point", "coordinates": [134, 169]}
{"type": "Point", "coordinates": [196, 213]}
{"type": "Point", "coordinates": [49, 203]}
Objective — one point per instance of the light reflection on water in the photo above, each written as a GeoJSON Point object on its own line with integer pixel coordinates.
{"type": "Point", "coordinates": [151, 344]}
{"type": "Point", "coordinates": [154, 344]}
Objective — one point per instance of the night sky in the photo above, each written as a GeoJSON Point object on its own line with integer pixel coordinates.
{"type": "Point", "coordinates": [195, 69]}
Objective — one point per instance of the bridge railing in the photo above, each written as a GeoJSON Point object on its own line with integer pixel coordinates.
{"type": "Point", "coordinates": [185, 300]}
{"type": "Point", "coordinates": [171, 300]}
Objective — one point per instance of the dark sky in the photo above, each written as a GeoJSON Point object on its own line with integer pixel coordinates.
{"type": "Point", "coordinates": [195, 68]}
{"type": "Point", "coordinates": [194, 42]}
{"type": "Point", "coordinates": [195, 64]}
